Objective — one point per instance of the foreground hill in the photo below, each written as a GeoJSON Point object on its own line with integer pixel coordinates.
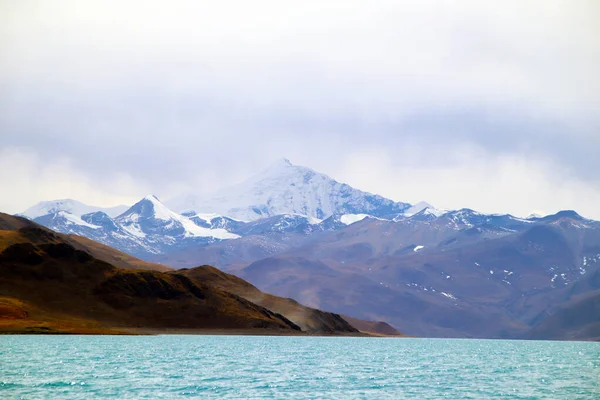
{"type": "Point", "coordinates": [47, 285]}
{"type": "Point", "coordinates": [309, 319]}
{"type": "Point", "coordinates": [112, 256]}
{"type": "Point", "coordinates": [10, 233]}
{"type": "Point", "coordinates": [53, 283]}
{"type": "Point", "coordinates": [377, 328]}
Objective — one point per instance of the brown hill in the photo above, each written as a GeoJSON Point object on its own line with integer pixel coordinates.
{"type": "Point", "coordinates": [376, 328]}
{"type": "Point", "coordinates": [309, 319]}
{"type": "Point", "coordinates": [48, 285]}
{"type": "Point", "coordinates": [113, 256]}
{"type": "Point", "coordinates": [57, 283]}
{"type": "Point", "coordinates": [10, 234]}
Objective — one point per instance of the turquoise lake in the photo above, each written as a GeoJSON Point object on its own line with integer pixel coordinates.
{"type": "Point", "coordinates": [259, 367]}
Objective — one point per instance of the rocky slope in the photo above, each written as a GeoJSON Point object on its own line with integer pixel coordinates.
{"type": "Point", "coordinates": [309, 319]}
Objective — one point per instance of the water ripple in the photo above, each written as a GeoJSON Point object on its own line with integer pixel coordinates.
{"type": "Point", "coordinates": [251, 367]}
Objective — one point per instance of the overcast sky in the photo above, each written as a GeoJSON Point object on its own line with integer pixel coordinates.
{"type": "Point", "coordinates": [489, 105]}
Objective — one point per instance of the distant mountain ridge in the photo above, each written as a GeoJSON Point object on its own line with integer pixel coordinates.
{"type": "Point", "coordinates": [283, 198]}
{"type": "Point", "coordinates": [147, 227]}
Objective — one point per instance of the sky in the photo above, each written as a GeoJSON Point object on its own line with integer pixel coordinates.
{"type": "Point", "coordinates": [493, 106]}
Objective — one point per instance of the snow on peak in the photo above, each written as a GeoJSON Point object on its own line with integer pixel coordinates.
{"type": "Point", "coordinates": [281, 163]}
{"type": "Point", "coordinates": [160, 210]}
{"type": "Point", "coordinates": [425, 212]}
{"type": "Point", "coordinates": [152, 198]}
{"type": "Point", "coordinates": [151, 211]}
{"type": "Point", "coordinates": [434, 211]}
{"type": "Point", "coordinates": [284, 188]}
{"type": "Point", "coordinates": [71, 206]}
{"type": "Point", "coordinates": [536, 214]}
{"type": "Point", "coordinates": [420, 206]}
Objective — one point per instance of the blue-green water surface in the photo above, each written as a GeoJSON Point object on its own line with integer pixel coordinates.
{"type": "Point", "coordinates": [258, 367]}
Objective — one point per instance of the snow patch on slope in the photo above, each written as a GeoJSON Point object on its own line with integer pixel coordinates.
{"type": "Point", "coordinates": [206, 217]}
{"type": "Point", "coordinates": [193, 230]}
{"type": "Point", "coordinates": [349, 219]}
{"type": "Point", "coordinates": [74, 219]}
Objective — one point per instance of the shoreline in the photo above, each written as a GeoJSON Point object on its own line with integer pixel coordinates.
{"type": "Point", "coordinates": [128, 331]}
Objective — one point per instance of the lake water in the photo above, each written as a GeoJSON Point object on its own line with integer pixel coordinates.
{"type": "Point", "coordinates": [257, 367]}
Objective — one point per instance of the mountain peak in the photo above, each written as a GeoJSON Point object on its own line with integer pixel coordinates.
{"type": "Point", "coordinates": [417, 208]}
{"type": "Point", "coordinates": [152, 198]}
{"type": "Point", "coordinates": [564, 214]}
{"type": "Point", "coordinates": [150, 216]}
{"type": "Point", "coordinates": [69, 205]}
{"type": "Point", "coordinates": [281, 163]}
{"type": "Point", "coordinates": [285, 188]}
{"type": "Point", "coordinates": [150, 206]}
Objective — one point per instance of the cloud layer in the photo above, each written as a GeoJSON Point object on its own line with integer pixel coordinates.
{"type": "Point", "coordinates": [461, 103]}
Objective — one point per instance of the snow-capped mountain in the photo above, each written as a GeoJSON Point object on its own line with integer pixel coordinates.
{"type": "Point", "coordinates": [65, 222]}
{"type": "Point", "coordinates": [284, 188]}
{"type": "Point", "coordinates": [70, 206]}
{"type": "Point", "coordinates": [294, 202]}
{"type": "Point", "coordinates": [149, 217]}
{"type": "Point", "coordinates": [420, 207]}
{"type": "Point", "coordinates": [147, 227]}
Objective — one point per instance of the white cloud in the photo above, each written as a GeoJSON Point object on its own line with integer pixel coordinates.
{"type": "Point", "coordinates": [26, 180]}
{"type": "Point", "coordinates": [517, 183]}
{"type": "Point", "coordinates": [157, 96]}
{"type": "Point", "coordinates": [326, 55]}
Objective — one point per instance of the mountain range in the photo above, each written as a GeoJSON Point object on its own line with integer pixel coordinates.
{"type": "Point", "coordinates": [294, 232]}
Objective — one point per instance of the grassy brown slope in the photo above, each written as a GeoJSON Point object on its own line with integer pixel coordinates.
{"type": "Point", "coordinates": [47, 285]}
{"type": "Point", "coordinates": [14, 230]}
{"type": "Point", "coordinates": [309, 319]}
{"type": "Point", "coordinates": [113, 256]}
{"type": "Point", "coordinates": [377, 328]}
